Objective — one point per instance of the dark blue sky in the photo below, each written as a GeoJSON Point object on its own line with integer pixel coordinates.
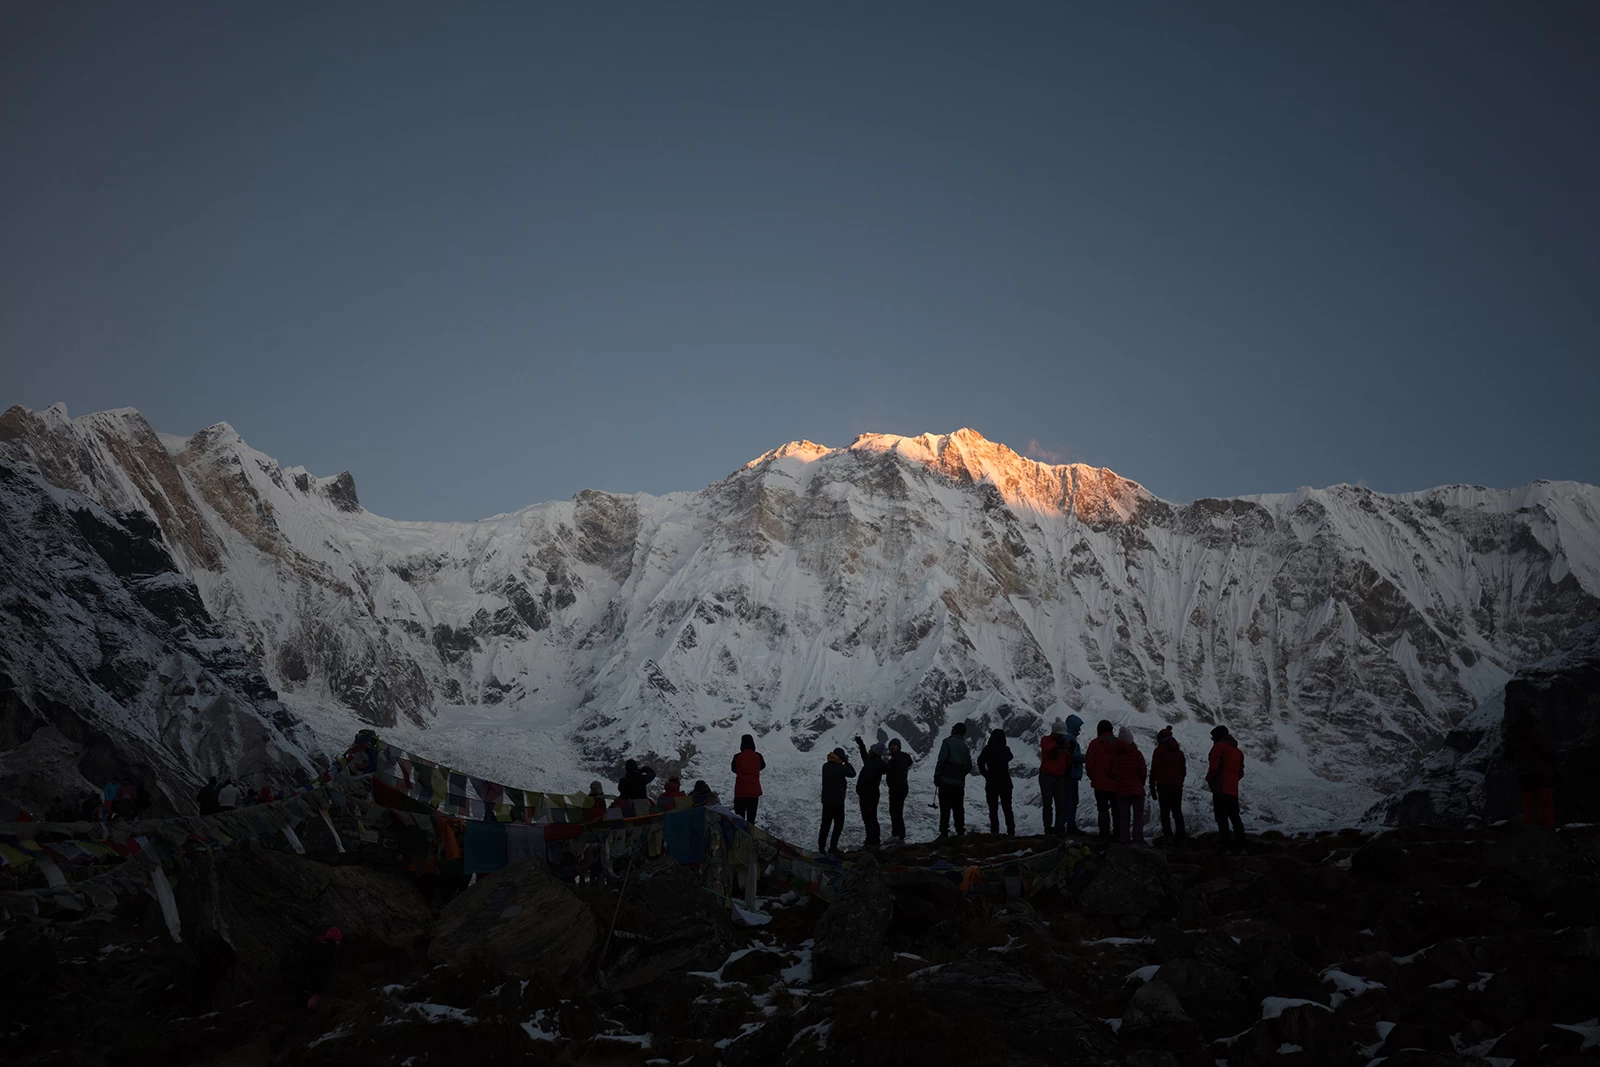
{"type": "Point", "coordinates": [484, 255]}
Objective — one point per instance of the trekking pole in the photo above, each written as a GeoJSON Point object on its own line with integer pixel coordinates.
{"type": "Point", "coordinates": [617, 910]}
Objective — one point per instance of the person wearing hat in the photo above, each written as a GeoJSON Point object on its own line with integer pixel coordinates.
{"type": "Point", "coordinates": [670, 793]}
{"type": "Point", "coordinates": [834, 773]}
{"type": "Point", "coordinates": [874, 766]}
{"type": "Point", "coordinates": [1167, 771]}
{"type": "Point", "coordinates": [596, 811]}
{"type": "Point", "coordinates": [1097, 762]}
{"type": "Point", "coordinates": [1059, 758]}
{"type": "Point", "coordinates": [994, 763]}
{"type": "Point", "coordinates": [1224, 769]}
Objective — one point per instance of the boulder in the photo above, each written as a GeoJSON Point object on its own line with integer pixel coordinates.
{"type": "Point", "coordinates": [521, 921]}
{"type": "Point", "coordinates": [682, 926]}
{"type": "Point", "coordinates": [1315, 1035]}
{"type": "Point", "coordinates": [1154, 1018]}
{"type": "Point", "coordinates": [1212, 995]}
{"type": "Point", "coordinates": [1034, 1021]}
{"type": "Point", "coordinates": [1417, 1036]}
{"type": "Point", "coordinates": [1381, 862]}
{"type": "Point", "coordinates": [1534, 1039]}
{"type": "Point", "coordinates": [752, 965]}
{"type": "Point", "coordinates": [249, 914]}
{"type": "Point", "coordinates": [1130, 881]}
{"type": "Point", "coordinates": [854, 931]}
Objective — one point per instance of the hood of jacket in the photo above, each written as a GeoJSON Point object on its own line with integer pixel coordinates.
{"type": "Point", "coordinates": [1074, 724]}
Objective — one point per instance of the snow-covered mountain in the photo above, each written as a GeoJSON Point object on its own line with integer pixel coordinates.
{"type": "Point", "coordinates": [884, 589]}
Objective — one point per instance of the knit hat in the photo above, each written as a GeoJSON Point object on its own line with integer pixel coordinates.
{"type": "Point", "coordinates": [1125, 734]}
{"type": "Point", "coordinates": [596, 789]}
{"type": "Point", "coordinates": [1218, 733]}
{"type": "Point", "coordinates": [333, 933]}
{"type": "Point", "coordinates": [1165, 734]}
{"type": "Point", "coordinates": [879, 749]}
{"type": "Point", "coordinates": [1059, 726]}
{"type": "Point", "coordinates": [836, 756]}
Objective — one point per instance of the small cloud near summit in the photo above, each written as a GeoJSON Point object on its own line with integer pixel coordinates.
{"type": "Point", "coordinates": [1044, 455]}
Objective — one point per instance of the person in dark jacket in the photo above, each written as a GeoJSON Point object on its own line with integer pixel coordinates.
{"type": "Point", "coordinates": [207, 797]}
{"type": "Point", "coordinates": [1224, 768]}
{"type": "Point", "coordinates": [834, 773]}
{"type": "Point", "coordinates": [873, 767]}
{"type": "Point", "coordinates": [897, 769]}
{"type": "Point", "coordinates": [634, 780]}
{"type": "Point", "coordinates": [1534, 757]}
{"type": "Point", "coordinates": [994, 763]}
{"type": "Point", "coordinates": [1167, 771]}
{"type": "Point", "coordinates": [950, 773]}
{"type": "Point", "coordinates": [1097, 764]}
{"type": "Point", "coordinates": [1128, 771]}
{"type": "Point", "coordinates": [701, 795]}
{"type": "Point", "coordinates": [747, 767]}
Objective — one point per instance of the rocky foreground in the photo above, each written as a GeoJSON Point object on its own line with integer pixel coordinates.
{"type": "Point", "coordinates": [1419, 946]}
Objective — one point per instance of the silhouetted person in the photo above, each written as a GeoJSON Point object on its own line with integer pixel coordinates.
{"type": "Point", "coordinates": [1128, 771]}
{"type": "Point", "coordinates": [207, 797]}
{"type": "Point", "coordinates": [994, 763]}
{"type": "Point", "coordinates": [950, 773]}
{"type": "Point", "coordinates": [1097, 763]}
{"type": "Point", "coordinates": [1167, 771]}
{"type": "Point", "coordinates": [1059, 765]}
{"type": "Point", "coordinates": [1224, 769]}
{"type": "Point", "coordinates": [1528, 745]}
{"type": "Point", "coordinates": [873, 767]}
{"type": "Point", "coordinates": [898, 771]}
{"type": "Point", "coordinates": [632, 785]}
{"type": "Point", "coordinates": [834, 773]}
{"type": "Point", "coordinates": [747, 767]}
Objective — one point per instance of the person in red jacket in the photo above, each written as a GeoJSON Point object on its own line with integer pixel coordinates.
{"type": "Point", "coordinates": [747, 767]}
{"type": "Point", "coordinates": [1223, 771]}
{"type": "Point", "coordinates": [1097, 765]}
{"type": "Point", "coordinates": [1167, 771]}
{"type": "Point", "coordinates": [670, 793]}
{"type": "Point", "coordinates": [1128, 772]}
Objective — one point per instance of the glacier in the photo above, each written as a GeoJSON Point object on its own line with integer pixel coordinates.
{"type": "Point", "coordinates": [884, 589]}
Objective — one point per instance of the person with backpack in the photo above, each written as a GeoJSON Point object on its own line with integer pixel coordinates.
{"type": "Point", "coordinates": [1167, 771]}
{"type": "Point", "coordinates": [747, 767]}
{"type": "Point", "coordinates": [897, 769]}
{"type": "Point", "coordinates": [1224, 768]}
{"type": "Point", "coordinates": [873, 767]}
{"type": "Point", "coordinates": [834, 773]}
{"type": "Point", "coordinates": [670, 793]}
{"type": "Point", "coordinates": [994, 763]}
{"type": "Point", "coordinates": [950, 773]}
{"type": "Point", "coordinates": [1128, 772]}
{"type": "Point", "coordinates": [631, 786]}
{"type": "Point", "coordinates": [1097, 762]}
{"type": "Point", "coordinates": [1058, 759]}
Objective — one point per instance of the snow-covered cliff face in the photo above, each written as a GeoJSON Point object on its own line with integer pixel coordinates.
{"type": "Point", "coordinates": [886, 589]}
{"type": "Point", "coordinates": [111, 669]}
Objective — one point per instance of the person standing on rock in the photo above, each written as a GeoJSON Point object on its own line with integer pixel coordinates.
{"type": "Point", "coordinates": [632, 784]}
{"type": "Point", "coordinates": [1534, 757]}
{"type": "Point", "coordinates": [1224, 768]}
{"type": "Point", "coordinates": [950, 773]}
{"type": "Point", "coordinates": [207, 797]}
{"type": "Point", "coordinates": [1097, 762]}
{"type": "Point", "coordinates": [994, 763]}
{"type": "Point", "coordinates": [834, 773]}
{"type": "Point", "coordinates": [873, 768]}
{"type": "Point", "coordinates": [897, 768]}
{"type": "Point", "coordinates": [1057, 754]}
{"type": "Point", "coordinates": [1167, 771]}
{"type": "Point", "coordinates": [1128, 771]}
{"type": "Point", "coordinates": [747, 767]}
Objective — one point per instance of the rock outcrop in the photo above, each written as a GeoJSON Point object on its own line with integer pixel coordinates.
{"type": "Point", "coordinates": [522, 922]}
